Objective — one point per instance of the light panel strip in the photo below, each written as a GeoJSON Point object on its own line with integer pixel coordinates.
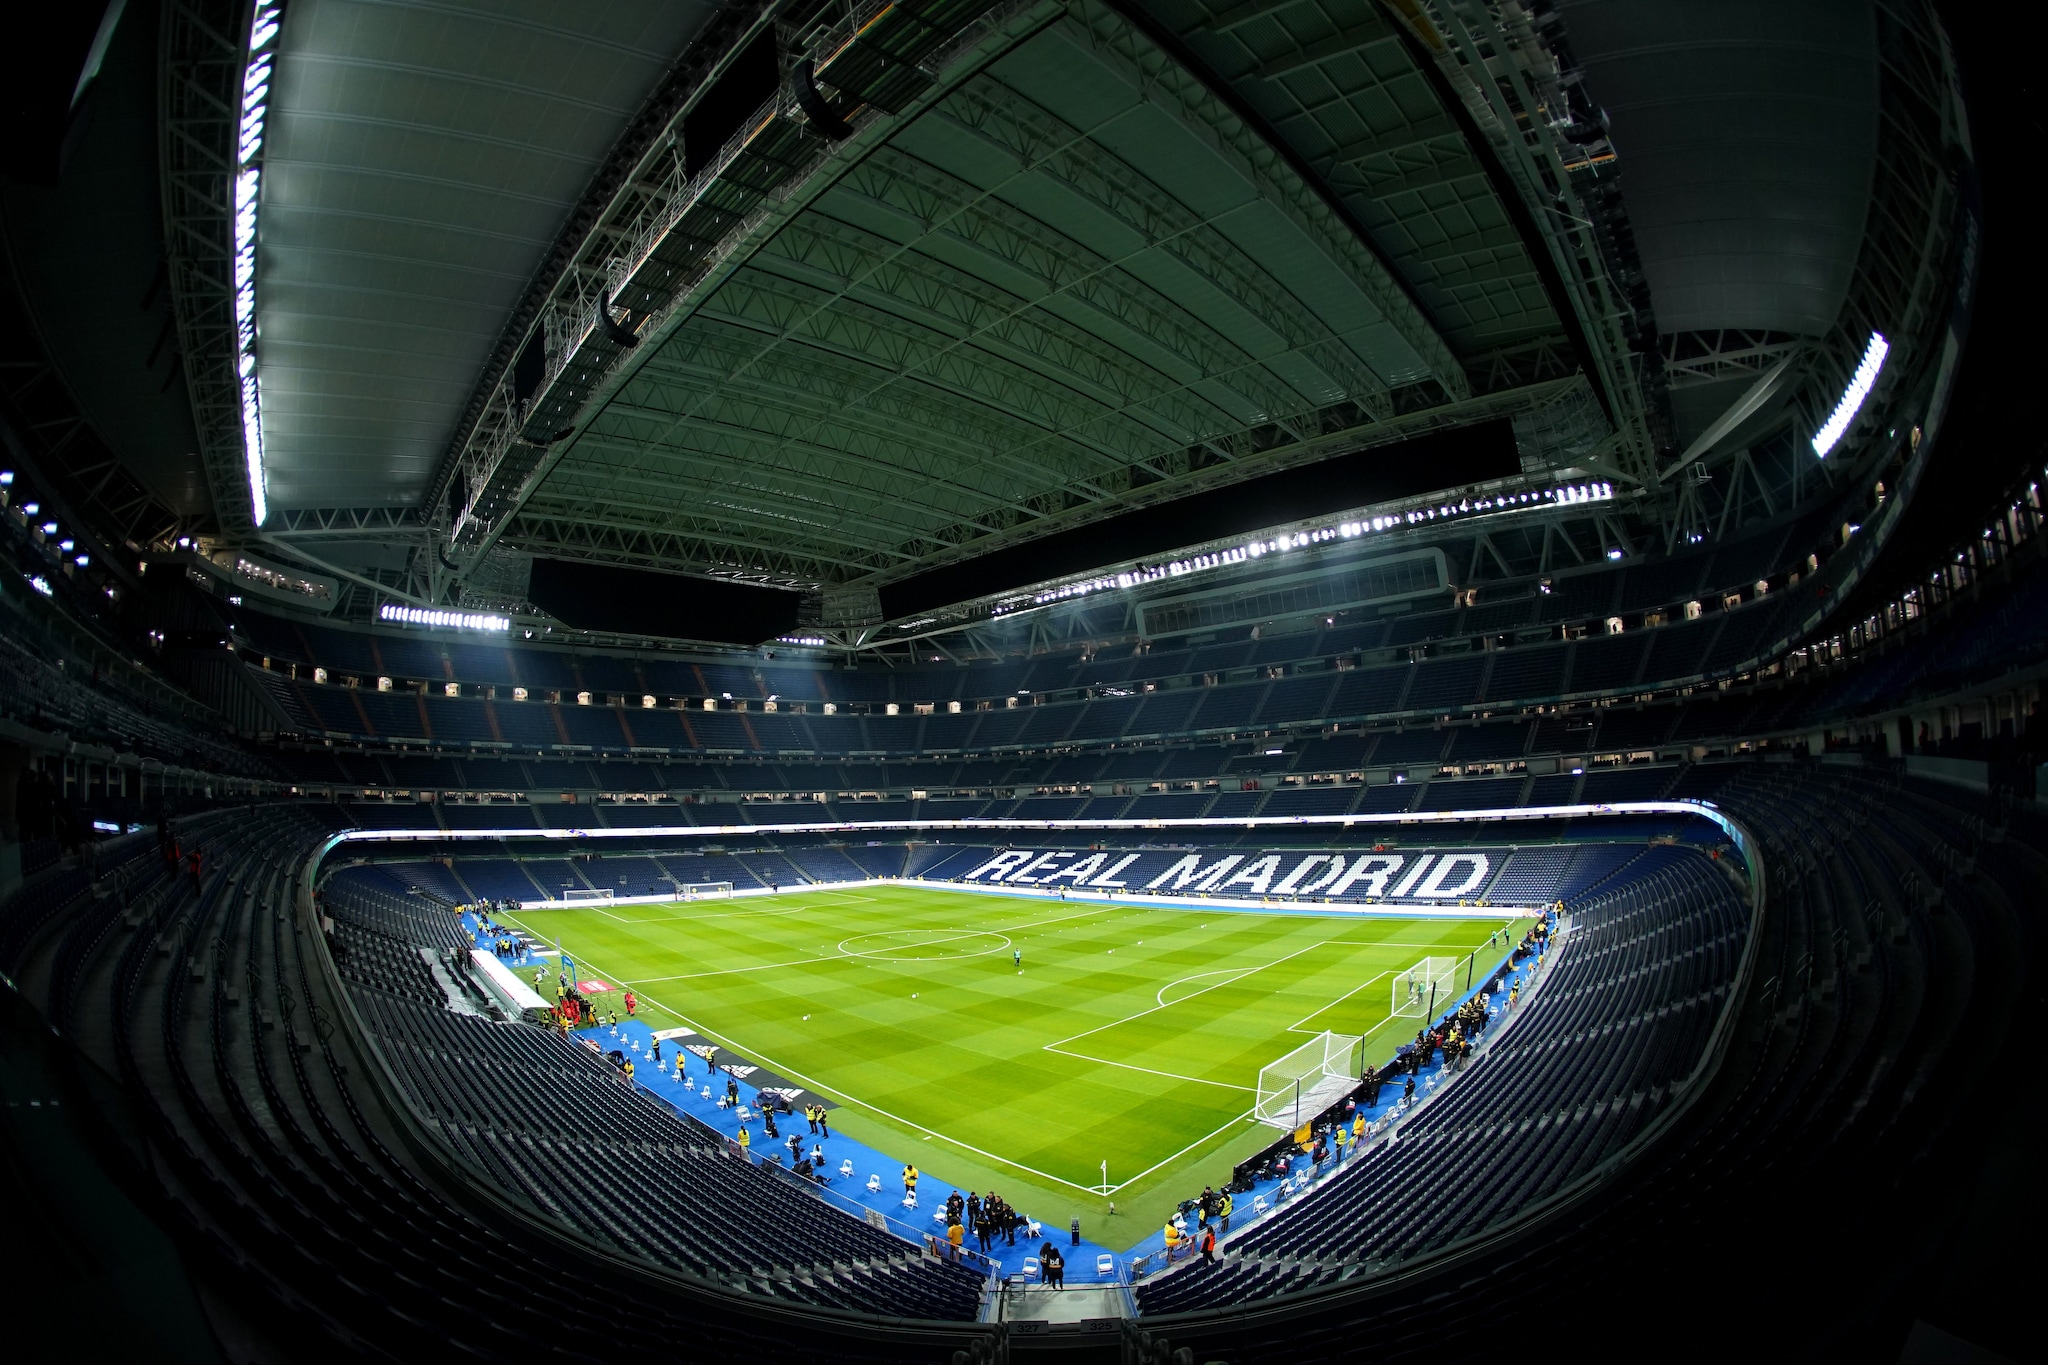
{"type": "Point", "coordinates": [452, 620]}
{"type": "Point", "coordinates": [256, 75]}
{"type": "Point", "coordinates": [1563, 496]}
{"type": "Point", "coordinates": [1860, 385]}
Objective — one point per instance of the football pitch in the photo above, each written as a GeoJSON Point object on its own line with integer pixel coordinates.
{"type": "Point", "coordinates": [1131, 1035]}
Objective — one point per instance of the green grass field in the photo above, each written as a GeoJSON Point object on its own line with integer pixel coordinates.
{"type": "Point", "coordinates": [1133, 1034]}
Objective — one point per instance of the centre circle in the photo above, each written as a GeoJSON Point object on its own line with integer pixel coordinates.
{"type": "Point", "coordinates": [924, 945]}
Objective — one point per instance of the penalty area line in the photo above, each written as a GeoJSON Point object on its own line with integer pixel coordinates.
{"type": "Point", "coordinates": [1059, 1051]}
{"type": "Point", "coordinates": [1327, 1006]}
{"type": "Point", "coordinates": [1154, 1009]}
{"type": "Point", "coordinates": [1245, 1117]}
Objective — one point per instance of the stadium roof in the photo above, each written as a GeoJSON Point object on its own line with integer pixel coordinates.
{"type": "Point", "coordinates": [837, 297]}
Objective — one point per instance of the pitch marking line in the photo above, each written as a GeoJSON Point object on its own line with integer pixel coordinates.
{"type": "Point", "coordinates": [1245, 1117]}
{"type": "Point", "coordinates": [1057, 1043]}
{"type": "Point", "coordinates": [878, 953]}
{"type": "Point", "coordinates": [669, 919]}
{"type": "Point", "coordinates": [1160, 996]}
{"type": "Point", "coordinates": [1132, 1066]}
{"type": "Point", "coordinates": [691, 919]}
{"type": "Point", "coordinates": [1327, 1006]}
{"type": "Point", "coordinates": [806, 961]}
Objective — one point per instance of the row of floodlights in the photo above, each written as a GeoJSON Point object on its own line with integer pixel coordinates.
{"type": "Point", "coordinates": [1860, 385]}
{"type": "Point", "coordinates": [453, 620]}
{"type": "Point", "coordinates": [1564, 495]}
{"type": "Point", "coordinates": [264, 26]}
{"type": "Point", "coordinates": [30, 511]}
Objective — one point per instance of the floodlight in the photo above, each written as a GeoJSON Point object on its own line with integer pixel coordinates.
{"type": "Point", "coordinates": [264, 25]}
{"type": "Point", "coordinates": [49, 528]}
{"type": "Point", "coordinates": [459, 620]}
{"type": "Point", "coordinates": [1860, 385]}
{"type": "Point", "coordinates": [29, 509]}
{"type": "Point", "coordinates": [6, 478]}
{"type": "Point", "coordinates": [67, 546]}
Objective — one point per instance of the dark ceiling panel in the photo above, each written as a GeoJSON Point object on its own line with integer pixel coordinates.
{"type": "Point", "coordinates": [87, 255]}
{"type": "Point", "coordinates": [641, 602]}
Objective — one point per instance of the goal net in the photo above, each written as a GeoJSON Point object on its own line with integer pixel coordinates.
{"type": "Point", "coordinates": [1307, 1080]}
{"type": "Point", "coordinates": [698, 891]}
{"type": "Point", "coordinates": [583, 895]}
{"type": "Point", "coordinates": [1426, 987]}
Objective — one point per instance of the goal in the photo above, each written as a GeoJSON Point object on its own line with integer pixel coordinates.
{"type": "Point", "coordinates": [1430, 983]}
{"type": "Point", "coordinates": [698, 891]}
{"type": "Point", "coordinates": [1307, 1080]}
{"type": "Point", "coordinates": [583, 895]}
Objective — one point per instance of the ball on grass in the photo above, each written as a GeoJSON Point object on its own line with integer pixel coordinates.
{"type": "Point", "coordinates": [913, 995]}
{"type": "Point", "coordinates": [807, 1018]}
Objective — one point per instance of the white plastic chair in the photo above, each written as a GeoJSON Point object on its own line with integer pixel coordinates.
{"type": "Point", "coordinates": [1259, 1205]}
{"type": "Point", "coordinates": [874, 1181]}
{"type": "Point", "coordinates": [1031, 1226]}
{"type": "Point", "coordinates": [909, 1201]}
{"type": "Point", "coordinates": [1030, 1270]}
{"type": "Point", "coordinates": [846, 1169]}
{"type": "Point", "coordinates": [1105, 1265]}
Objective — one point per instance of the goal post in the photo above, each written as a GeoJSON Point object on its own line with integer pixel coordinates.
{"type": "Point", "coordinates": [1307, 1080]}
{"type": "Point", "coordinates": [700, 891]}
{"type": "Point", "coordinates": [584, 895]}
{"type": "Point", "coordinates": [1423, 988]}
